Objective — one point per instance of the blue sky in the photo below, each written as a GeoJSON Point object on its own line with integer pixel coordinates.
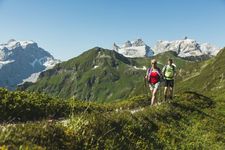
{"type": "Point", "coordinates": [66, 28]}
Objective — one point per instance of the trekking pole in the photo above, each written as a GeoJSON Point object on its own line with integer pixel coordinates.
{"type": "Point", "coordinates": [145, 80]}
{"type": "Point", "coordinates": [160, 92]}
{"type": "Point", "coordinates": [145, 86]}
{"type": "Point", "coordinates": [174, 83]}
{"type": "Point", "coordinates": [173, 87]}
{"type": "Point", "coordinates": [162, 89]}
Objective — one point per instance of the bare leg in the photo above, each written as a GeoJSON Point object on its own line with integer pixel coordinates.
{"type": "Point", "coordinates": [171, 93]}
{"type": "Point", "coordinates": [165, 93]}
{"type": "Point", "coordinates": [153, 96]}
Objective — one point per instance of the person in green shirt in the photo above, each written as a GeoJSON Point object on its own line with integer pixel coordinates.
{"type": "Point", "coordinates": [169, 73]}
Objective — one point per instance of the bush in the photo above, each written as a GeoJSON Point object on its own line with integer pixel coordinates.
{"type": "Point", "coordinates": [188, 122]}
{"type": "Point", "coordinates": [25, 106]}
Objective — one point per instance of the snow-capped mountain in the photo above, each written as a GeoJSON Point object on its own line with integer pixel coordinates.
{"type": "Point", "coordinates": [134, 49]}
{"type": "Point", "coordinates": [186, 48]}
{"type": "Point", "coordinates": [22, 61]}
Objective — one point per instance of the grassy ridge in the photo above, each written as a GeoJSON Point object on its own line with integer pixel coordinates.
{"type": "Point", "coordinates": [189, 122]}
{"type": "Point", "coordinates": [25, 106]}
{"type": "Point", "coordinates": [206, 77]}
{"type": "Point", "coordinates": [97, 75]}
{"type": "Point", "coordinates": [78, 77]}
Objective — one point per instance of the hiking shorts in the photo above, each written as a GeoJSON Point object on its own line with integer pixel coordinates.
{"type": "Point", "coordinates": [154, 86]}
{"type": "Point", "coordinates": [169, 83]}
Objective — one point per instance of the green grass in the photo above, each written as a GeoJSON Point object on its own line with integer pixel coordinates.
{"type": "Point", "coordinates": [191, 121]}
{"type": "Point", "coordinates": [206, 77]}
{"type": "Point", "coordinates": [77, 77]}
{"type": "Point", "coordinates": [25, 106]}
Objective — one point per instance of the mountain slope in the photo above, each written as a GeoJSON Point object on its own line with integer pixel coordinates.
{"type": "Point", "coordinates": [207, 76]}
{"type": "Point", "coordinates": [20, 59]}
{"type": "Point", "coordinates": [190, 121]}
{"type": "Point", "coordinates": [98, 74]}
{"type": "Point", "coordinates": [95, 75]}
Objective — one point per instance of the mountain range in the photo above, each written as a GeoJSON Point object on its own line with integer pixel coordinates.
{"type": "Point", "coordinates": [99, 74]}
{"type": "Point", "coordinates": [104, 75]}
{"type": "Point", "coordinates": [184, 48]}
{"type": "Point", "coordinates": [22, 61]}
{"type": "Point", "coordinates": [194, 119]}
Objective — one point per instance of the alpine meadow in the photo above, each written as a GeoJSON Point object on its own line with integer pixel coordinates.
{"type": "Point", "coordinates": [76, 86]}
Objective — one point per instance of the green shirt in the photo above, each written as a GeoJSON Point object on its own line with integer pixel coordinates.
{"type": "Point", "coordinates": [169, 72]}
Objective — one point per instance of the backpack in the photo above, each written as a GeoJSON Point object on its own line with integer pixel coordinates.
{"type": "Point", "coordinates": [165, 67]}
{"type": "Point", "coordinates": [149, 71]}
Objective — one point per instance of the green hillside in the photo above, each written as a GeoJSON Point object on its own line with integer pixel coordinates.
{"type": "Point", "coordinates": [195, 119]}
{"type": "Point", "coordinates": [206, 77]}
{"type": "Point", "coordinates": [189, 122]}
{"type": "Point", "coordinates": [98, 74]}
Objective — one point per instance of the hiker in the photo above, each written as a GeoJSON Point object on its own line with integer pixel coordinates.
{"type": "Point", "coordinates": [169, 73]}
{"type": "Point", "coordinates": [153, 77]}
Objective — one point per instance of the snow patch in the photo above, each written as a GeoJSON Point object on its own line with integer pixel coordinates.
{"type": "Point", "coordinates": [95, 67]}
{"type": "Point", "coordinates": [103, 55]}
{"type": "Point", "coordinates": [12, 44]}
{"type": "Point", "coordinates": [6, 62]}
{"type": "Point", "coordinates": [50, 63]}
{"type": "Point", "coordinates": [33, 78]}
{"type": "Point", "coordinates": [143, 68]}
{"type": "Point", "coordinates": [2, 63]}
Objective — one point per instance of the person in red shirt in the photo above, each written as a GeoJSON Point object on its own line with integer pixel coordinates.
{"type": "Point", "coordinates": [153, 76]}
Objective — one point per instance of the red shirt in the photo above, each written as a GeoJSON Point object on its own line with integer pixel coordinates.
{"type": "Point", "coordinates": [154, 77]}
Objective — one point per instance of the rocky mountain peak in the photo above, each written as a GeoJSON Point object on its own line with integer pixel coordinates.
{"type": "Point", "coordinates": [127, 44]}
{"type": "Point", "coordinates": [20, 59]}
{"type": "Point", "coordinates": [12, 44]}
{"type": "Point", "coordinates": [138, 42]}
{"type": "Point", "coordinates": [186, 47]}
{"type": "Point", "coordinates": [136, 48]}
